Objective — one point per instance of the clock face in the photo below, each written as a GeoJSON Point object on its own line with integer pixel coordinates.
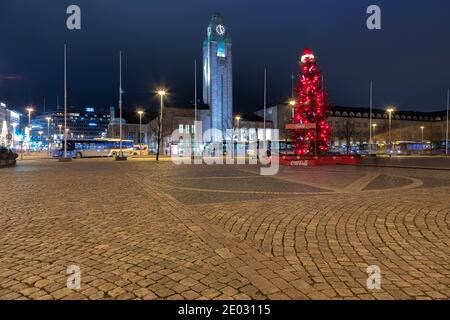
{"type": "Point", "coordinates": [220, 29]}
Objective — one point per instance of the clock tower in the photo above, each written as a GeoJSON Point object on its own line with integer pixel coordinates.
{"type": "Point", "coordinates": [217, 74]}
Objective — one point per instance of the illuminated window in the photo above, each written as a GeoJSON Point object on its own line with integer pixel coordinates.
{"type": "Point", "coordinates": [180, 128]}
{"type": "Point", "coordinates": [221, 52]}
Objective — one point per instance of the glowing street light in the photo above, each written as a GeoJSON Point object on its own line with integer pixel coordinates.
{"type": "Point", "coordinates": [422, 128]}
{"type": "Point", "coordinates": [390, 110]}
{"type": "Point", "coordinates": [238, 119]}
{"type": "Point", "coordinates": [140, 113]}
{"type": "Point", "coordinates": [292, 104]}
{"type": "Point", "coordinates": [48, 126]}
{"type": "Point", "coordinates": [30, 110]}
{"type": "Point", "coordinates": [14, 125]}
{"type": "Point", "coordinates": [162, 93]}
{"type": "Point", "coordinates": [374, 129]}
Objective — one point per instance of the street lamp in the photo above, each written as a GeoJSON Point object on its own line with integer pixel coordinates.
{"type": "Point", "coordinates": [390, 111]}
{"type": "Point", "coordinates": [162, 94]}
{"type": "Point", "coordinates": [48, 126]}
{"type": "Point", "coordinates": [422, 128]}
{"type": "Point", "coordinates": [292, 104]}
{"type": "Point", "coordinates": [40, 137]}
{"type": "Point", "coordinates": [374, 127]}
{"type": "Point", "coordinates": [14, 125]}
{"type": "Point", "coordinates": [30, 110]}
{"type": "Point", "coordinates": [140, 113]}
{"type": "Point", "coordinates": [48, 134]}
{"type": "Point", "coordinates": [238, 119]}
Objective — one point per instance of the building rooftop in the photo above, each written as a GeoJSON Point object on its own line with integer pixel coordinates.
{"type": "Point", "coordinates": [398, 112]}
{"type": "Point", "coordinates": [200, 106]}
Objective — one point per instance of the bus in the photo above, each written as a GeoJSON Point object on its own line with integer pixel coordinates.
{"type": "Point", "coordinates": [411, 148]}
{"type": "Point", "coordinates": [77, 148]}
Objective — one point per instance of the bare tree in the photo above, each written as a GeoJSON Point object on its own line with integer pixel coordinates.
{"type": "Point", "coordinates": [346, 132]}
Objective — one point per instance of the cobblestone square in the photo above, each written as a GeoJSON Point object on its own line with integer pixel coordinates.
{"type": "Point", "coordinates": [146, 230]}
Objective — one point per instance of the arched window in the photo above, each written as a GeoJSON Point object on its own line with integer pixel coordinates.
{"type": "Point", "coordinates": [221, 51]}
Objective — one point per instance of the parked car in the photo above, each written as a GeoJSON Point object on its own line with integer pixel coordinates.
{"type": "Point", "coordinates": [7, 157]}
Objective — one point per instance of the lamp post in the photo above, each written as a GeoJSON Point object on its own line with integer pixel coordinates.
{"type": "Point", "coordinates": [14, 125]}
{"type": "Point", "coordinates": [446, 131]}
{"type": "Point", "coordinates": [40, 138]}
{"type": "Point", "coordinates": [121, 157]}
{"type": "Point", "coordinates": [238, 119]}
{"type": "Point", "coordinates": [422, 128]}
{"type": "Point", "coordinates": [161, 94]}
{"type": "Point", "coordinates": [30, 110]}
{"type": "Point", "coordinates": [374, 127]}
{"type": "Point", "coordinates": [292, 104]}
{"type": "Point", "coordinates": [48, 126]}
{"type": "Point", "coordinates": [390, 111]}
{"type": "Point", "coordinates": [48, 134]}
{"type": "Point", "coordinates": [140, 113]}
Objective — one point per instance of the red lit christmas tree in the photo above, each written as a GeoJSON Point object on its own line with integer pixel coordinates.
{"type": "Point", "coordinates": [310, 109]}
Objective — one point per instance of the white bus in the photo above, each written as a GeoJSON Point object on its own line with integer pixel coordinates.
{"type": "Point", "coordinates": [94, 148]}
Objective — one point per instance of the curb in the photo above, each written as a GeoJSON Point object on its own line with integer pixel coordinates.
{"type": "Point", "coordinates": [404, 167]}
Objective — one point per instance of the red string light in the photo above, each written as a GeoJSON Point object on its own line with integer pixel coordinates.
{"type": "Point", "coordinates": [311, 107]}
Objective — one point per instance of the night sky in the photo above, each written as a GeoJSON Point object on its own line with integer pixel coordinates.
{"type": "Point", "coordinates": [408, 60]}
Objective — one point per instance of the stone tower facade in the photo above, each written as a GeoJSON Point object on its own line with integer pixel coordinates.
{"type": "Point", "coordinates": [218, 74]}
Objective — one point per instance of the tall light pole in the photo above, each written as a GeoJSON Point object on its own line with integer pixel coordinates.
{"type": "Point", "coordinates": [140, 113]}
{"type": "Point", "coordinates": [14, 125]}
{"type": "Point", "coordinates": [195, 93]}
{"type": "Point", "coordinates": [422, 128]}
{"type": "Point", "coordinates": [265, 103]}
{"type": "Point", "coordinates": [390, 111]}
{"type": "Point", "coordinates": [194, 133]}
{"type": "Point", "coordinates": [446, 133]}
{"type": "Point", "coordinates": [374, 127]}
{"type": "Point", "coordinates": [370, 117]}
{"type": "Point", "coordinates": [292, 104]}
{"type": "Point", "coordinates": [120, 105]}
{"type": "Point", "coordinates": [48, 134]}
{"type": "Point", "coordinates": [30, 110]}
{"type": "Point", "coordinates": [66, 130]}
{"type": "Point", "coordinates": [161, 94]}
{"type": "Point", "coordinates": [238, 119]}
{"type": "Point", "coordinates": [48, 126]}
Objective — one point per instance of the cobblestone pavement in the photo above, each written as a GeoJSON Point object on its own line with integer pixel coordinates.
{"type": "Point", "coordinates": [147, 230]}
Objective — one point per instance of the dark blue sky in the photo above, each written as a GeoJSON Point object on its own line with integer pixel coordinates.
{"type": "Point", "coordinates": [408, 60]}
